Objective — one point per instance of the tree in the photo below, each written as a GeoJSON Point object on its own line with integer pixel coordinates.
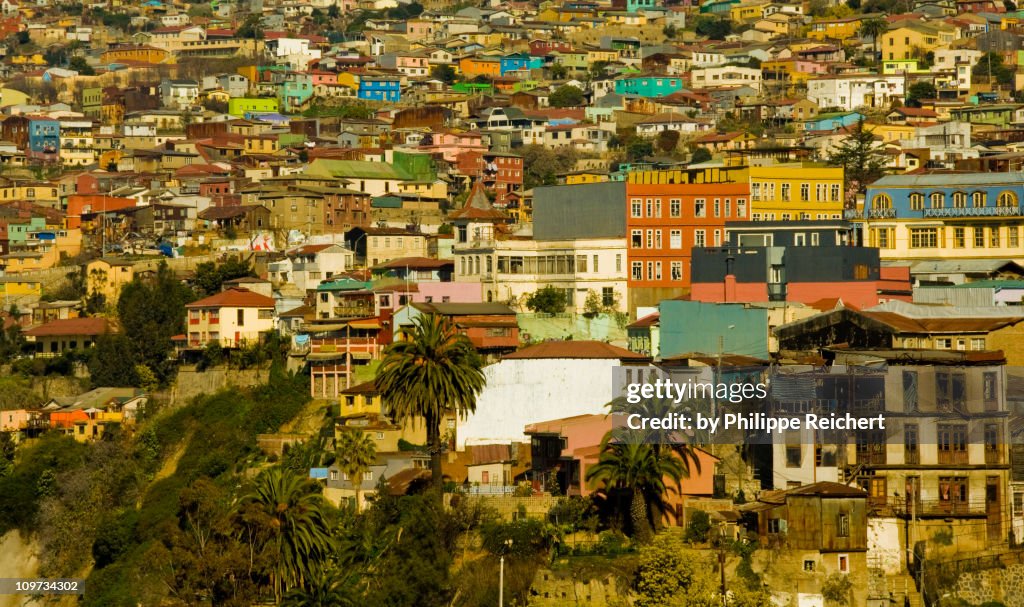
{"type": "Point", "coordinates": [329, 589]}
{"type": "Point", "coordinates": [873, 28]}
{"type": "Point", "coordinates": [112, 362]}
{"type": "Point", "coordinates": [251, 28]}
{"type": "Point", "coordinates": [699, 155]}
{"type": "Point", "coordinates": [669, 31]}
{"type": "Point", "coordinates": [638, 148]}
{"type": "Point", "coordinates": [356, 452]}
{"type": "Point", "coordinates": [557, 71]}
{"type": "Point", "coordinates": [922, 89]}
{"type": "Point", "coordinates": [566, 96]}
{"type": "Point", "coordinates": [991, 67]}
{"type": "Point", "coordinates": [547, 300]}
{"type": "Point", "coordinates": [861, 157]}
{"type": "Point", "coordinates": [151, 312]}
{"type": "Point", "coordinates": [292, 518]}
{"type": "Point", "coordinates": [434, 370]}
{"type": "Point", "coordinates": [210, 276]}
{"type": "Point", "coordinates": [444, 73]}
{"type": "Point", "coordinates": [668, 140]}
{"type": "Point", "coordinates": [79, 65]}
{"type": "Point", "coordinates": [541, 165]}
{"type": "Point", "coordinates": [714, 28]}
{"type": "Point", "coordinates": [637, 471]}
{"type": "Point", "coordinates": [669, 574]}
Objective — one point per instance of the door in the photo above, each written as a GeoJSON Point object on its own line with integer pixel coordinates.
{"type": "Point", "coordinates": [993, 509]}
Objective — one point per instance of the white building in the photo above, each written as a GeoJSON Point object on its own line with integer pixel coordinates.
{"type": "Point", "coordinates": [852, 92]}
{"type": "Point", "coordinates": [547, 381]}
{"type": "Point", "coordinates": [309, 265]}
{"type": "Point", "coordinates": [726, 75]}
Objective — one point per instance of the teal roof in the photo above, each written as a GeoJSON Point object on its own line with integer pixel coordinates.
{"type": "Point", "coordinates": [345, 284]}
{"type": "Point", "coordinates": [386, 202]}
{"type": "Point", "coordinates": [326, 167]}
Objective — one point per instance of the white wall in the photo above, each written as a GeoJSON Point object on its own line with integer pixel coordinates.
{"type": "Point", "coordinates": [521, 392]}
{"type": "Point", "coordinates": [884, 544]}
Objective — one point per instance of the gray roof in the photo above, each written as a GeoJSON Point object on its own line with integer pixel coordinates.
{"type": "Point", "coordinates": [590, 210]}
{"type": "Point", "coordinates": [941, 266]}
{"type": "Point", "coordinates": [948, 179]}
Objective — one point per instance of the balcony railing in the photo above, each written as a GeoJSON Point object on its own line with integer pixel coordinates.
{"type": "Point", "coordinates": [974, 212]}
{"type": "Point", "coordinates": [947, 456]}
{"type": "Point", "coordinates": [881, 213]}
{"type": "Point", "coordinates": [853, 214]}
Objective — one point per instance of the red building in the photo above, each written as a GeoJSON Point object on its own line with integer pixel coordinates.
{"type": "Point", "coordinates": [543, 48]}
{"type": "Point", "coordinates": [501, 174]}
{"type": "Point", "coordinates": [670, 212]}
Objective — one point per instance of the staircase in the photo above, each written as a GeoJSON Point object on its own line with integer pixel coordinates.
{"type": "Point", "coordinates": [901, 588]}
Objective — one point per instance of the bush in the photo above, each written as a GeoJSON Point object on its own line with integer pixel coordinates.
{"type": "Point", "coordinates": [698, 528]}
{"type": "Point", "coordinates": [547, 300]}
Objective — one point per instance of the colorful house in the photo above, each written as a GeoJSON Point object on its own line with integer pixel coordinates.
{"type": "Point", "coordinates": [380, 88]}
{"type": "Point", "coordinates": [233, 318]}
{"type": "Point", "coordinates": [519, 61]}
{"type": "Point", "coordinates": [648, 86]}
{"type": "Point", "coordinates": [796, 191]}
{"type": "Point", "coordinates": [240, 106]}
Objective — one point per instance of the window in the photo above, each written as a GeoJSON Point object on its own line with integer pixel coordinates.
{"type": "Point", "coordinates": [991, 443]}
{"type": "Point", "coordinates": [959, 238]}
{"type": "Point", "coordinates": [910, 391]}
{"type": "Point", "coordinates": [989, 390]}
{"type": "Point", "coordinates": [776, 525]}
{"type": "Point", "coordinates": [650, 239]}
{"type": "Point", "coordinates": [241, 318]}
{"type": "Point", "coordinates": [808, 565]}
{"type": "Point", "coordinates": [699, 208]}
{"type": "Point", "coordinates": [657, 207]}
{"type": "Point", "coordinates": [911, 444]}
{"type": "Point", "coordinates": [675, 207]}
{"type": "Point", "coordinates": [741, 208]}
{"type": "Point", "coordinates": [618, 262]}
{"type": "Point", "coordinates": [785, 192]}
{"type": "Point", "coordinates": [924, 238]}
{"type": "Point", "coordinates": [916, 201]}
{"type": "Point", "coordinates": [594, 264]}
{"type": "Point", "coordinates": [978, 199]}
{"type": "Point", "coordinates": [805, 192]}
{"type": "Point", "coordinates": [844, 563]}
{"type": "Point", "coordinates": [675, 239]}
{"type": "Point", "coordinates": [637, 270]}
{"type": "Point", "coordinates": [755, 191]}
{"type": "Point", "coordinates": [938, 200]}
{"type": "Point", "coordinates": [718, 238]}
{"type": "Point", "coordinates": [794, 450]}
{"type": "Point", "coordinates": [650, 270]}
{"type": "Point", "coordinates": [843, 525]}
{"type": "Point", "coordinates": [650, 207]}
{"type": "Point", "coordinates": [977, 343]}
{"type": "Point", "coordinates": [718, 207]}
{"type": "Point", "coordinates": [979, 238]}
{"type": "Point", "coordinates": [1012, 237]}
{"type": "Point", "coordinates": [993, 237]}
{"type": "Point", "coordinates": [635, 208]}
{"type": "Point", "coordinates": [676, 270]}
{"type": "Point", "coordinates": [952, 443]}
{"type": "Point", "coordinates": [607, 296]}
{"type": "Point", "coordinates": [636, 239]}
{"type": "Point", "coordinates": [1006, 199]}
{"type": "Point", "coordinates": [881, 201]}
{"type": "Point", "coordinates": [657, 239]}
{"type": "Point", "coordinates": [953, 492]}
{"type": "Point", "coordinates": [835, 192]}
{"type": "Point", "coordinates": [882, 239]}
{"type": "Point", "coordinates": [959, 200]}
{"type": "Point", "coordinates": [265, 314]}
{"type": "Point", "coordinates": [800, 239]}
{"type": "Point", "coordinates": [657, 270]}
{"type": "Point", "coordinates": [698, 238]}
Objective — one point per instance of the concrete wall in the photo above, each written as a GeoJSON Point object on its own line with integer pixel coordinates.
{"type": "Point", "coordinates": [885, 544]}
{"type": "Point", "coordinates": [191, 383]}
{"type": "Point", "coordinates": [521, 392]}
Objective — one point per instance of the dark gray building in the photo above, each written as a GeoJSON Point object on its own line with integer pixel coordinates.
{"type": "Point", "coordinates": [589, 210]}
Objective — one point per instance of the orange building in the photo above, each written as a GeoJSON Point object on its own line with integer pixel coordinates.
{"type": "Point", "coordinates": [134, 53]}
{"type": "Point", "coordinates": [471, 67]}
{"type": "Point", "coordinates": [668, 213]}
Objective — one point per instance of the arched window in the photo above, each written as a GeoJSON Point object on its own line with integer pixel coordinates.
{"type": "Point", "coordinates": [881, 201]}
{"type": "Point", "coordinates": [978, 199]}
{"type": "Point", "coordinates": [1007, 199]}
{"type": "Point", "coordinates": [938, 200]}
{"type": "Point", "coordinates": [959, 200]}
{"type": "Point", "coordinates": [916, 201]}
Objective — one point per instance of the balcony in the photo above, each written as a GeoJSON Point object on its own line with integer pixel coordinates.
{"type": "Point", "coordinates": [853, 214]}
{"type": "Point", "coordinates": [881, 213]}
{"type": "Point", "coordinates": [953, 457]}
{"type": "Point", "coordinates": [777, 291]}
{"type": "Point", "coordinates": [974, 212]}
{"type": "Point", "coordinates": [350, 311]}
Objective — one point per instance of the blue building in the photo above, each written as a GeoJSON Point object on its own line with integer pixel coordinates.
{"type": "Point", "coordinates": [519, 61]}
{"type": "Point", "coordinates": [380, 88]}
{"type": "Point", "coordinates": [689, 327]}
{"type": "Point", "coordinates": [945, 216]}
{"type": "Point", "coordinates": [43, 139]}
{"type": "Point", "coordinates": [648, 86]}
{"type": "Point", "coordinates": [832, 121]}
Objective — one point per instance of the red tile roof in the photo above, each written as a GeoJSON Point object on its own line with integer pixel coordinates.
{"type": "Point", "coordinates": [234, 298]}
{"type": "Point", "coordinates": [575, 349]}
{"type": "Point", "coordinates": [71, 326]}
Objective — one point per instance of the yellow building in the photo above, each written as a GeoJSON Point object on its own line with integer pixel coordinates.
{"type": "Point", "coordinates": [14, 290]}
{"type": "Point", "coordinates": [835, 29]}
{"type": "Point", "coordinates": [913, 39]}
{"type": "Point", "coordinates": [747, 11]}
{"type": "Point", "coordinates": [107, 277]}
{"type": "Point", "coordinates": [578, 177]}
{"type": "Point", "coordinates": [796, 191]}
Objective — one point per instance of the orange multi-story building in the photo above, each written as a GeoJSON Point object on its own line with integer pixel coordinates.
{"type": "Point", "coordinates": [670, 212]}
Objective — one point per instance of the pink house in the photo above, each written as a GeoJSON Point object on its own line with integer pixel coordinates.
{"type": "Point", "coordinates": [451, 145]}
{"type": "Point", "coordinates": [569, 446]}
{"type": "Point", "coordinates": [323, 77]}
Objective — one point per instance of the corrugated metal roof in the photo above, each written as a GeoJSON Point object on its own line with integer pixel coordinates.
{"type": "Point", "coordinates": [946, 179]}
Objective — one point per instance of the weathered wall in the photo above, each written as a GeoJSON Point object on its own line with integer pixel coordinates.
{"type": "Point", "coordinates": [551, 589]}
{"type": "Point", "coordinates": [542, 327]}
{"type": "Point", "coordinates": [192, 383]}
{"type": "Point", "coordinates": [507, 505]}
{"type": "Point", "coordinates": [1005, 585]}
{"type": "Point", "coordinates": [885, 545]}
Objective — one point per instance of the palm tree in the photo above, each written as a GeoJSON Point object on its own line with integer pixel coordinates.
{"type": "Point", "coordinates": [356, 452]}
{"type": "Point", "coordinates": [639, 470]}
{"type": "Point", "coordinates": [329, 589]}
{"type": "Point", "coordinates": [434, 371]}
{"type": "Point", "coordinates": [873, 28]}
{"type": "Point", "coordinates": [294, 532]}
